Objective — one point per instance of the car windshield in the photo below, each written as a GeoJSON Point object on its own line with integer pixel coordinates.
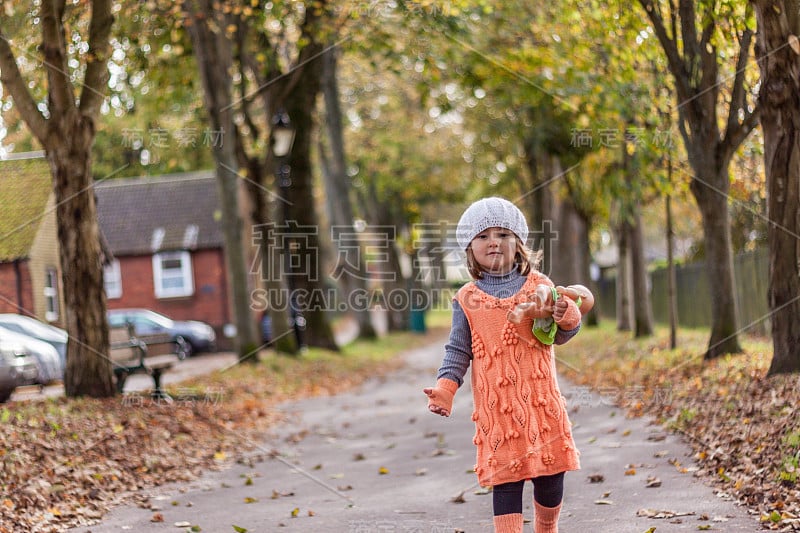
{"type": "Point", "coordinates": [32, 327]}
{"type": "Point", "coordinates": [119, 318]}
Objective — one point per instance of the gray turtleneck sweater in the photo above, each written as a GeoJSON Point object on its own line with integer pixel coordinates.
{"type": "Point", "coordinates": [458, 350]}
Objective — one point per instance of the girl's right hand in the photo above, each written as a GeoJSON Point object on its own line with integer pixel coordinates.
{"type": "Point", "coordinates": [440, 397]}
{"type": "Point", "coordinates": [432, 407]}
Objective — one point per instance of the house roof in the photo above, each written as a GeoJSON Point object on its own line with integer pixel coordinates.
{"type": "Point", "coordinates": [25, 186]}
{"type": "Point", "coordinates": [141, 216]}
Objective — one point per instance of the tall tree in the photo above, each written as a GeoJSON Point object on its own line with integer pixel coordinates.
{"type": "Point", "coordinates": [779, 100]}
{"type": "Point", "coordinates": [213, 50]}
{"type": "Point", "coordinates": [65, 126]}
{"type": "Point", "coordinates": [338, 187]}
{"type": "Point", "coordinates": [689, 32]}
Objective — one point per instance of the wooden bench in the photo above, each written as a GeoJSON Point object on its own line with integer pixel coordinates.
{"type": "Point", "coordinates": [152, 355]}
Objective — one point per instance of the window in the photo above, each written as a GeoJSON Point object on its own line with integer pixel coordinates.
{"type": "Point", "coordinates": [112, 278]}
{"type": "Point", "coordinates": [172, 274]}
{"type": "Point", "coordinates": [51, 294]}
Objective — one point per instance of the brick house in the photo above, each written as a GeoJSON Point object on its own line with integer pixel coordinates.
{"type": "Point", "coordinates": [29, 253]}
{"type": "Point", "coordinates": [166, 238]}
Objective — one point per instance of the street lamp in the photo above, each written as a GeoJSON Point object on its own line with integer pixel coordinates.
{"type": "Point", "coordinates": [283, 134]}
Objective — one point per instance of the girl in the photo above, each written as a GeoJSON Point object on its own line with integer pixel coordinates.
{"type": "Point", "coordinates": [521, 426]}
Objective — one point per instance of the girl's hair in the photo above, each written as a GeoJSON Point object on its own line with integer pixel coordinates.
{"type": "Point", "coordinates": [525, 259]}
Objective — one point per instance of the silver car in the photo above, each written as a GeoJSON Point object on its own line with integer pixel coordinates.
{"type": "Point", "coordinates": [17, 368]}
{"type": "Point", "coordinates": [31, 327]}
{"type": "Point", "coordinates": [46, 358]}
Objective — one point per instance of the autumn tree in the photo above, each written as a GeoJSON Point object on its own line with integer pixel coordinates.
{"type": "Point", "coordinates": [214, 55]}
{"type": "Point", "coordinates": [693, 35]}
{"type": "Point", "coordinates": [73, 54]}
{"type": "Point", "coordinates": [778, 54]}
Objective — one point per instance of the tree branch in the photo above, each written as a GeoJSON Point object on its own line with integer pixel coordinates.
{"type": "Point", "coordinates": [13, 82]}
{"type": "Point", "coordinates": [738, 93]}
{"type": "Point", "coordinates": [61, 96]}
{"type": "Point", "coordinates": [670, 46]}
{"type": "Point", "coordinates": [94, 82]}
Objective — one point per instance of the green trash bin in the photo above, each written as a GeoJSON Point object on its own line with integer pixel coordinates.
{"type": "Point", "coordinates": [417, 321]}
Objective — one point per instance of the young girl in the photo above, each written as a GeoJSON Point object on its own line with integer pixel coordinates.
{"type": "Point", "coordinates": [521, 426]}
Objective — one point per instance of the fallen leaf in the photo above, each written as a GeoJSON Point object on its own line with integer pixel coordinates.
{"type": "Point", "coordinates": [420, 471]}
{"type": "Point", "coordinates": [657, 513]}
{"type": "Point", "coordinates": [295, 512]}
{"type": "Point", "coordinates": [157, 517]}
{"type": "Point", "coordinates": [250, 500]}
{"type": "Point", "coordinates": [383, 471]}
{"type": "Point", "coordinates": [630, 472]}
{"type": "Point", "coordinates": [653, 482]}
{"type": "Point", "coordinates": [597, 478]}
{"type": "Point", "coordinates": [458, 499]}
{"type": "Point", "coordinates": [238, 529]}
{"type": "Point", "coordinates": [183, 524]}
{"type": "Point", "coordinates": [603, 502]}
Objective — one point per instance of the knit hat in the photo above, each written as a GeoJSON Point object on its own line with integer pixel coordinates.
{"type": "Point", "coordinates": [487, 213]}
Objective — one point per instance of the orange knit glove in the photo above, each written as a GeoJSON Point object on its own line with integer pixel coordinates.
{"type": "Point", "coordinates": [440, 398]}
{"type": "Point", "coordinates": [572, 316]}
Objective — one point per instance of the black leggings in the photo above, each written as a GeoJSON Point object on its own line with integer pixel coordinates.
{"type": "Point", "coordinates": [547, 492]}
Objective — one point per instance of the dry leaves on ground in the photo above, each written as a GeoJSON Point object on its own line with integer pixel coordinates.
{"type": "Point", "coordinates": [65, 462]}
{"type": "Point", "coordinates": [742, 425]}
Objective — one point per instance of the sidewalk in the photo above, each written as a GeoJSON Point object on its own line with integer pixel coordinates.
{"type": "Point", "coordinates": [374, 460]}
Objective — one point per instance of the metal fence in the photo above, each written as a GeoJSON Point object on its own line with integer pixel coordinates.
{"type": "Point", "coordinates": [694, 305]}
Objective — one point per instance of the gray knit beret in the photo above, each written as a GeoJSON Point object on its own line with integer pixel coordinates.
{"type": "Point", "coordinates": [491, 212]}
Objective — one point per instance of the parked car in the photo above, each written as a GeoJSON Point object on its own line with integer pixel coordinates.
{"type": "Point", "coordinates": [46, 358]}
{"type": "Point", "coordinates": [52, 335]}
{"type": "Point", "coordinates": [196, 336]}
{"type": "Point", "coordinates": [17, 368]}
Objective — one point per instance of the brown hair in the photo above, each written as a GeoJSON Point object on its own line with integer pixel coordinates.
{"type": "Point", "coordinates": [525, 259]}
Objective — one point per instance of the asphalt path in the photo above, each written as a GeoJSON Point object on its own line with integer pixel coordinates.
{"type": "Point", "coordinates": [375, 460]}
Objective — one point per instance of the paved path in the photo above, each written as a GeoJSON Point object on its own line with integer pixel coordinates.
{"type": "Point", "coordinates": [374, 460]}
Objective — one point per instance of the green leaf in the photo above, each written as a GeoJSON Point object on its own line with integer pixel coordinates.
{"type": "Point", "coordinates": [238, 529]}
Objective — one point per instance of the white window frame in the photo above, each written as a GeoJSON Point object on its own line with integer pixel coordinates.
{"type": "Point", "coordinates": [112, 279]}
{"type": "Point", "coordinates": [159, 277]}
{"type": "Point", "coordinates": [51, 294]}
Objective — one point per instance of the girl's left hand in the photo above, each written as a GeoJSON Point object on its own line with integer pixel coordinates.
{"type": "Point", "coordinates": [559, 309]}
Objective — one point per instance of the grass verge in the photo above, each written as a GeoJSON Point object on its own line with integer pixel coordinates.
{"type": "Point", "coordinates": [743, 426]}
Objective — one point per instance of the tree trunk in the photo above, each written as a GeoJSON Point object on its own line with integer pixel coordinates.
{"type": "Point", "coordinates": [642, 314]}
{"type": "Point", "coordinates": [780, 122]}
{"type": "Point", "coordinates": [338, 192]}
{"type": "Point", "coordinates": [301, 211]}
{"type": "Point", "coordinates": [88, 370]}
{"type": "Point", "coordinates": [623, 278]}
{"type": "Point", "coordinates": [672, 291]}
{"type": "Point", "coordinates": [214, 57]}
{"type": "Point", "coordinates": [281, 334]}
{"type": "Point", "coordinates": [67, 134]}
{"type": "Point", "coordinates": [719, 265]}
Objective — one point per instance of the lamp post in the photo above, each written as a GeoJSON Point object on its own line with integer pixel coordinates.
{"type": "Point", "coordinates": [283, 134]}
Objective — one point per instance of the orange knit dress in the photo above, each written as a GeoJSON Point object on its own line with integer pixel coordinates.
{"type": "Point", "coordinates": [521, 424]}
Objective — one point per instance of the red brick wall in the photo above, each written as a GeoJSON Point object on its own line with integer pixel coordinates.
{"type": "Point", "coordinates": [209, 303]}
{"type": "Point", "coordinates": [9, 298]}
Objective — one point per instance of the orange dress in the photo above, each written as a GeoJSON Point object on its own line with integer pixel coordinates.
{"type": "Point", "coordinates": [521, 425]}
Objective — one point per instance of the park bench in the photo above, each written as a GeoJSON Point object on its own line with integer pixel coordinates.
{"type": "Point", "coordinates": [151, 354]}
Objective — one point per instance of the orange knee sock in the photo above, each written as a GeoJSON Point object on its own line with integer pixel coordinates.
{"type": "Point", "coordinates": [508, 523]}
{"type": "Point", "coordinates": [545, 518]}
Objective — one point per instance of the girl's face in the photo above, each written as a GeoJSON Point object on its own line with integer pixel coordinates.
{"type": "Point", "coordinates": [494, 250]}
